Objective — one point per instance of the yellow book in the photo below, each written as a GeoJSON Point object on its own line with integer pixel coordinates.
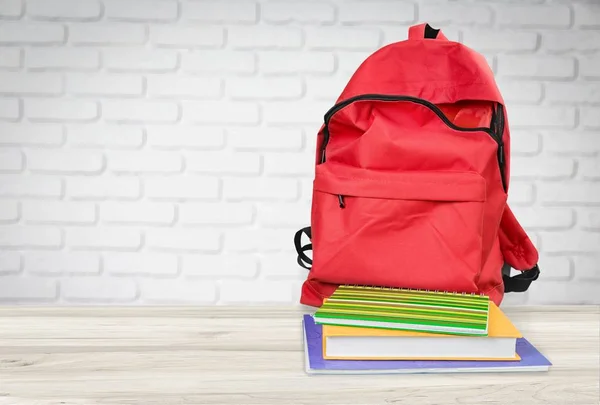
{"type": "Point", "coordinates": [358, 343]}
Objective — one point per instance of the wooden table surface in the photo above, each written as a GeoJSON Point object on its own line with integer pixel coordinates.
{"type": "Point", "coordinates": [224, 355]}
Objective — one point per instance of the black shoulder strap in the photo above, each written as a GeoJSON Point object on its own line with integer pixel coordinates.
{"type": "Point", "coordinates": [520, 282]}
{"type": "Point", "coordinates": [303, 259]}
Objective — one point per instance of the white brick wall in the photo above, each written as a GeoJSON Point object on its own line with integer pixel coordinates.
{"type": "Point", "coordinates": [160, 151]}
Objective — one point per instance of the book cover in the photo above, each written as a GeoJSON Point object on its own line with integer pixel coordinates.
{"type": "Point", "coordinates": [531, 360]}
{"type": "Point", "coordinates": [404, 309]}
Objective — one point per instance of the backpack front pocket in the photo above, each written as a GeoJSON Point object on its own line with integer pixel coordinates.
{"type": "Point", "coordinates": [397, 229]}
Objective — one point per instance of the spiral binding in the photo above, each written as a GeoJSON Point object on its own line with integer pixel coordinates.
{"type": "Point", "coordinates": [382, 288]}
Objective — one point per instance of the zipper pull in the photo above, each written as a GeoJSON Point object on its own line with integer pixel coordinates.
{"type": "Point", "coordinates": [341, 201]}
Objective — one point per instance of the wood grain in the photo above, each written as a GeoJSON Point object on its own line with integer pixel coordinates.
{"type": "Point", "coordinates": [224, 355]}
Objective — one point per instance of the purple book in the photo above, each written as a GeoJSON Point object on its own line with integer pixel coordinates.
{"type": "Point", "coordinates": [531, 360]}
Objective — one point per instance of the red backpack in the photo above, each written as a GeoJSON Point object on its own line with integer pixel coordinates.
{"type": "Point", "coordinates": [411, 178]}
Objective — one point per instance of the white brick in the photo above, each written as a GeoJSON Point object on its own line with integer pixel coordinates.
{"type": "Point", "coordinates": [520, 91]}
{"type": "Point", "coordinates": [52, 110]}
{"type": "Point", "coordinates": [295, 112]}
{"type": "Point", "coordinates": [359, 12]}
{"type": "Point", "coordinates": [242, 266]}
{"type": "Point", "coordinates": [137, 59]}
{"type": "Point", "coordinates": [150, 111]}
{"type": "Point", "coordinates": [216, 213]}
{"type": "Point", "coordinates": [260, 189]}
{"type": "Point", "coordinates": [10, 263]}
{"type": "Point", "coordinates": [220, 112]}
{"type": "Point", "coordinates": [268, 88]}
{"type": "Point", "coordinates": [105, 85]}
{"type": "Point", "coordinates": [137, 213]}
{"type": "Point", "coordinates": [65, 161]}
{"type": "Point", "coordinates": [9, 109]}
{"type": "Point", "coordinates": [589, 218]}
{"type": "Point", "coordinates": [31, 33]}
{"type": "Point", "coordinates": [306, 189]}
{"type": "Point", "coordinates": [62, 58]}
{"type": "Point", "coordinates": [281, 266]}
{"type": "Point", "coordinates": [23, 237]}
{"type": "Point", "coordinates": [59, 212]}
{"type": "Point", "coordinates": [525, 143]}
{"type": "Point", "coordinates": [440, 14]}
{"type": "Point", "coordinates": [569, 194]}
{"type": "Point", "coordinates": [551, 168]}
{"type": "Point", "coordinates": [141, 10]}
{"type": "Point", "coordinates": [539, 117]}
{"type": "Point", "coordinates": [219, 62]}
{"type": "Point", "coordinates": [348, 62]}
{"type": "Point", "coordinates": [9, 213]}
{"type": "Point", "coordinates": [556, 267]}
{"type": "Point", "coordinates": [587, 15]}
{"type": "Point", "coordinates": [178, 292]}
{"type": "Point", "coordinates": [104, 239]}
{"type": "Point", "coordinates": [572, 241]}
{"type": "Point", "coordinates": [183, 240]}
{"type": "Point", "coordinates": [18, 185]}
{"type": "Point", "coordinates": [10, 57]}
{"type": "Point", "coordinates": [534, 218]}
{"type": "Point", "coordinates": [106, 136]}
{"type": "Point", "coordinates": [571, 41]}
{"type": "Point", "coordinates": [56, 263]}
{"type": "Point", "coordinates": [305, 12]}
{"type": "Point", "coordinates": [187, 36]}
{"type": "Point", "coordinates": [98, 290]}
{"type": "Point", "coordinates": [589, 169]}
{"type": "Point", "coordinates": [11, 8]}
{"type": "Point", "coordinates": [17, 289]}
{"type": "Point", "coordinates": [145, 162]}
{"type": "Point", "coordinates": [589, 67]}
{"type": "Point", "coordinates": [294, 62]}
{"type": "Point", "coordinates": [520, 193]}
{"type": "Point", "coordinates": [255, 291]}
{"type": "Point", "coordinates": [64, 9]}
{"type": "Point", "coordinates": [182, 188]}
{"type": "Point", "coordinates": [507, 40]}
{"type": "Point", "coordinates": [337, 38]}
{"type": "Point", "coordinates": [586, 267]}
{"type": "Point", "coordinates": [101, 188]}
{"type": "Point", "coordinates": [572, 93]}
{"type": "Point", "coordinates": [23, 134]}
{"type": "Point", "coordinates": [261, 139]}
{"type": "Point", "coordinates": [540, 67]}
{"type": "Point", "coordinates": [184, 87]}
{"type": "Point", "coordinates": [185, 137]}
{"type": "Point", "coordinates": [560, 293]}
{"type": "Point", "coordinates": [216, 11]}
{"type": "Point", "coordinates": [290, 164]}
{"type": "Point", "coordinates": [284, 214]}
{"type": "Point", "coordinates": [247, 163]}
{"type": "Point", "coordinates": [325, 88]}
{"type": "Point", "coordinates": [263, 37]}
{"type": "Point", "coordinates": [30, 83]}
{"type": "Point", "coordinates": [11, 160]}
{"type": "Point", "coordinates": [107, 34]}
{"type": "Point", "coordinates": [141, 264]}
{"type": "Point", "coordinates": [572, 143]}
{"type": "Point", "coordinates": [533, 16]}
{"type": "Point", "coordinates": [589, 117]}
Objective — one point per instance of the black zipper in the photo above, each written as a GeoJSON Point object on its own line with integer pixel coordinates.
{"type": "Point", "coordinates": [495, 131]}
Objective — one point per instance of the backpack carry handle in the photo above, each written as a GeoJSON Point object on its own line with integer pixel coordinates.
{"type": "Point", "coordinates": [425, 31]}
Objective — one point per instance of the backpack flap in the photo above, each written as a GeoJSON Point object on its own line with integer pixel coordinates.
{"type": "Point", "coordinates": [518, 252]}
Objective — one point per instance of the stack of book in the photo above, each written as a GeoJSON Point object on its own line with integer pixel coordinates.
{"type": "Point", "coordinates": [374, 330]}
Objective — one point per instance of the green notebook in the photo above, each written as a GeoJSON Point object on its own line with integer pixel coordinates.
{"type": "Point", "coordinates": [406, 309]}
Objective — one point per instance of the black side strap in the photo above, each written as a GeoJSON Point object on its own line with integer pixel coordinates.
{"type": "Point", "coordinates": [520, 282]}
{"type": "Point", "coordinates": [430, 33]}
{"type": "Point", "coordinates": [303, 260]}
